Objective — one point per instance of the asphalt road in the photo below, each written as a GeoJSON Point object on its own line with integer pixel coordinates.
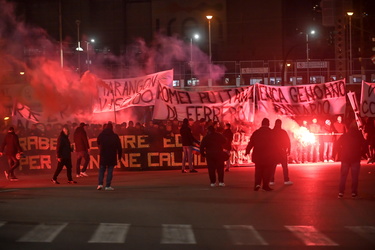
{"type": "Point", "coordinates": [171, 210]}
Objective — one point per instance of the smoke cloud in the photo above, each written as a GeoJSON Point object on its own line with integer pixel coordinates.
{"type": "Point", "coordinates": [30, 49]}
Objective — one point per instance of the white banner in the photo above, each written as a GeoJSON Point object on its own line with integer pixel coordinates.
{"type": "Point", "coordinates": [314, 99]}
{"type": "Point", "coordinates": [123, 93]}
{"type": "Point", "coordinates": [222, 105]}
{"type": "Point", "coordinates": [367, 99]}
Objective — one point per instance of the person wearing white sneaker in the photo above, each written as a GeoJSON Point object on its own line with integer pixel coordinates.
{"type": "Point", "coordinates": [212, 148]}
{"type": "Point", "coordinates": [110, 151]}
{"type": "Point", "coordinates": [82, 149]}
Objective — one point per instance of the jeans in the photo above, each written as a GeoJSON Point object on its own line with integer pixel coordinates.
{"type": "Point", "coordinates": [187, 156]}
{"type": "Point", "coordinates": [354, 168]}
{"type": "Point", "coordinates": [102, 170]}
{"type": "Point", "coordinates": [13, 164]}
{"type": "Point", "coordinates": [327, 151]}
{"type": "Point", "coordinates": [263, 174]}
{"type": "Point", "coordinates": [215, 164]}
{"type": "Point", "coordinates": [85, 155]}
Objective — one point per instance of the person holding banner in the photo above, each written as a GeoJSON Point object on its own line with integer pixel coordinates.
{"type": "Point", "coordinates": [262, 143]}
{"type": "Point", "coordinates": [13, 151]}
{"type": "Point", "coordinates": [64, 156]}
{"type": "Point", "coordinates": [212, 148]}
{"type": "Point", "coordinates": [188, 142]}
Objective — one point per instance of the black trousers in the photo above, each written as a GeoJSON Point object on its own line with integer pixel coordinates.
{"type": "Point", "coordinates": [13, 164]}
{"type": "Point", "coordinates": [263, 172]}
{"type": "Point", "coordinates": [67, 162]}
{"type": "Point", "coordinates": [215, 165]}
{"type": "Point", "coordinates": [85, 155]}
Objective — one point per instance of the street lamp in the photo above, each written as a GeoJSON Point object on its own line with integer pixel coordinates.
{"type": "Point", "coordinates": [350, 14]}
{"type": "Point", "coordinates": [209, 36]}
{"type": "Point", "coordinates": [312, 32]}
{"type": "Point", "coordinates": [196, 37]}
{"type": "Point", "coordinates": [79, 49]}
{"type": "Point", "coordinates": [88, 62]}
{"type": "Point", "coordinates": [209, 47]}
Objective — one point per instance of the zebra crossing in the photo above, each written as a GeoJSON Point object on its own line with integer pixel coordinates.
{"type": "Point", "coordinates": [183, 234]}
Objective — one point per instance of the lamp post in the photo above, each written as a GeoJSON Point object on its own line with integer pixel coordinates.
{"type": "Point", "coordinates": [312, 32]}
{"type": "Point", "coordinates": [195, 36]}
{"type": "Point", "coordinates": [79, 49]}
{"type": "Point", "coordinates": [209, 47]}
{"type": "Point", "coordinates": [88, 53]}
{"type": "Point", "coordinates": [350, 14]}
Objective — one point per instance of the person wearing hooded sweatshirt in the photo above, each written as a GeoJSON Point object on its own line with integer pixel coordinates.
{"type": "Point", "coordinates": [212, 148]}
{"type": "Point", "coordinates": [282, 150]}
{"type": "Point", "coordinates": [64, 158]}
{"type": "Point", "coordinates": [12, 148]}
{"type": "Point", "coordinates": [352, 146]}
{"type": "Point", "coordinates": [262, 143]}
{"type": "Point", "coordinates": [110, 151]}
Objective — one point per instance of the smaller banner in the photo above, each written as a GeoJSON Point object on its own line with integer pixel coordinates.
{"type": "Point", "coordinates": [222, 105]}
{"type": "Point", "coordinates": [367, 104]}
{"type": "Point", "coordinates": [119, 94]}
{"type": "Point", "coordinates": [313, 99]}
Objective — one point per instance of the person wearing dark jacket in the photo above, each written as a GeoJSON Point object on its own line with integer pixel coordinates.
{"type": "Point", "coordinates": [352, 145]}
{"type": "Point", "coordinates": [110, 152]}
{"type": "Point", "coordinates": [282, 150]}
{"type": "Point", "coordinates": [82, 149]}
{"type": "Point", "coordinates": [262, 143]}
{"type": "Point", "coordinates": [13, 150]}
{"type": "Point", "coordinates": [228, 134]}
{"type": "Point", "coordinates": [64, 156]}
{"type": "Point", "coordinates": [188, 141]}
{"type": "Point", "coordinates": [212, 148]}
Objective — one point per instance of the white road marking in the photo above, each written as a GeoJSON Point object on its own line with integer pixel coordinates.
{"type": "Point", "coordinates": [43, 232]}
{"type": "Point", "coordinates": [177, 234]}
{"type": "Point", "coordinates": [110, 233]}
{"type": "Point", "coordinates": [310, 236]}
{"type": "Point", "coordinates": [244, 235]}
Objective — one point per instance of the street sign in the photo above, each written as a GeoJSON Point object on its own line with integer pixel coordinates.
{"type": "Point", "coordinates": [312, 65]}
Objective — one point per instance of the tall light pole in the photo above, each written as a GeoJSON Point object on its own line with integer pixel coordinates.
{"type": "Point", "coordinates": [350, 14]}
{"type": "Point", "coordinates": [88, 62]}
{"type": "Point", "coordinates": [209, 47]}
{"type": "Point", "coordinates": [195, 36]}
{"type": "Point", "coordinates": [312, 32]}
{"type": "Point", "coordinates": [79, 49]}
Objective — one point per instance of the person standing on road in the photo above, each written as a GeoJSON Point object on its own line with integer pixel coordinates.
{"type": "Point", "coordinates": [352, 145]}
{"type": "Point", "coordinates": [188, 142]}
{"type": "Point", "coordinates": [82, 149]}
{"type": "Point", "coordinates": [64, 156]}
{"type": "Point", "coordinates": [282, 151]}
{"type": "Point", "coordinates": [212, 148]}
{"type": "Point", "coordinates": [13, 151]}
{"type": "Point", "coordinates": [110, 152]}
{"type": "Point", "coordinates": [262, 143]}
{"type": "Point", "coordinates": [228, 134]}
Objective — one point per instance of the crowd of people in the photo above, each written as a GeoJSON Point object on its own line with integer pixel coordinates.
{"type": "Point", "coordinates": [213, 140]}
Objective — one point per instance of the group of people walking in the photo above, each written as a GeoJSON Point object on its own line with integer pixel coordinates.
{"type": "Point", "coordinates": [109, 146]}
{"type": "Point", "coordinates": [269, 147]}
